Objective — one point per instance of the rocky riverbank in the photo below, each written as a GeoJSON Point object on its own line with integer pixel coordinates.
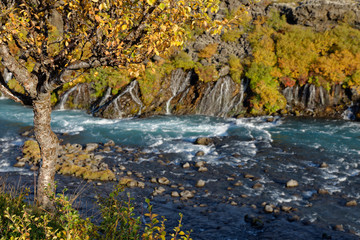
{"type": "Point", "coordinates": [218, 200]}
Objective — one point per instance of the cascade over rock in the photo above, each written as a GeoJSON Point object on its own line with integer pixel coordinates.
{"type": "Point", "coordinates": [125, 104]}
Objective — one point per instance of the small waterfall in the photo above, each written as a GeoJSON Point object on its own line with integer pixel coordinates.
{"type": "Point", "coordinates": [134, 95]}
{"type": "Point", "coordinates": [105, 97]}
{"type": "Point", "coordinates": [349, 113]}
{"type": "Point", "coordinates": [131, 90]}
{"type": "Point", "coordinates": [243, 87]}
{"type": "Point", "coordinates": [7, 75]}
{"type": "Point", "coordinates": [179, 82]}
{"type": "Point", "coordinates": [289, 94]}
{"type": "Point", "coordinates": [65, 97]}
{"type": "Point", "coordinates": [219, 100]}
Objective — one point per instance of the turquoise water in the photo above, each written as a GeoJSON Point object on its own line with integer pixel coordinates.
{"type": "Point", "coordinates": [289, 148]}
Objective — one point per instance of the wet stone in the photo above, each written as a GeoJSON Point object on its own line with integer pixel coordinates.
{"type": "Point", "coordinates": [106, 149]}
{"type": "Point", "coordinates": [118, 149]}
{"type": "Point", "coordinates": [163, 181]}
{"type": "Point", "coordinates": [200, 183]}
{"type": "Point", "coordinates": [339, 227]}
{"type": "Point", "coordinates": [200, 153]}
{"type": "Point", "coordinates": [187, 194]}
{"type": "Point", "coordinates": [200, 164]}
{"type": "Point", "coordinates": [292, 183]}
{"type": "Point", "coordinates": [249, 176]}
{"type": "Point", "coordinates": [19, 164]}
{"type": "Point", "coordinates": [352, 203]}
{"type": "Point", "coordinates": [110, 143]}
{"type": "Point", "coordinates": [257, 186]}
{"type": "Point", "coordinates": [268, 209]}
{"type": "Point", "coordinates": [286, 208]}
{"type": "Point", "coordinates": [323, 165]}
{"type": "Point", "coordinates": [90, 147]}
{"type": "Point", "coordinates": [140, 185]}
{"type": "Point", "coordinates": [238, 183]}
{"type": "Point", "coordinates": [158, 191]}
{"type": "Point", "coordinates": [203, 141]}
{"type": "Point", "coordinates": [323, 191]}
{"type": "Point", "coordinates": [175, 194]}
{"type": "Point", "coordinates": [233, 203]}
{"type": "Point", "coordinates": [202, 169]}
{"type": "Point", "coordinates": [186, 165]}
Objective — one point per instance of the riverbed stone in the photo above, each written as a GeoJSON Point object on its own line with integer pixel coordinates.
{"type": "Point", "coordinates": [19, 164]}
{"type": "Point", "coordinates": [351, 203]}
{"type": "Point", "coordinates": [140, 184]}
{"type": "Point", "coordinates": [286, 208]}
{"type": "Point", "coordinates": [118, 149]}
{"type": "Point", "coordinates": [268, 208]}
{"type": "Point", "coordinates": [186, 165]}
{"type": "Point", "coordinates": [238, 183]}
{"type": "Point", "coordinates": [257, 186]}
{"type": "Point", "coordinates": [200, 153]}
{"type": "Point", "coordinates": [323, 191]}
{"type": "Point", "coordinates": [90, 147]}
{"type": "Point", "coordinates": [200, 183]}
{"type": "Point", "coordinates": [200, 164]}
{"type": "Point", "coordinates": [324, 165]}
{"type": "Point", "coordinates": [175, 194]}
{"type": "Point", "coordinates": [204, 141]}
{"type": "Point", "coordinates": [202, 169]}
{"type": "Point", "coordinates": [249, 176]}
{"type": "Point", "coordinates": [158, 191]}
{"type": "Point", "coordinates": [339, 227]}
{"type": "Point", "coordinates": [163, 181]}
{"type": "Point", "coordinates": [110, 143]}
{"type": "Point", "coordinates": [187, 194]}
{"type": "Point", "coordinates": [292, 183]}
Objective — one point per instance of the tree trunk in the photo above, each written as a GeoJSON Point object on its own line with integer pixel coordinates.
{"type": "Point", "coordinates": [48, 143]}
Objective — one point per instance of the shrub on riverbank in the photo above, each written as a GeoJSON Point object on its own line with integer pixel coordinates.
{"type": "Point", "coordinates": [118, 219]}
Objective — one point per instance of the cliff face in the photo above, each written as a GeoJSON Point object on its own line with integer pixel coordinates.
{"type": "Point", "coordinates": [214, 87]}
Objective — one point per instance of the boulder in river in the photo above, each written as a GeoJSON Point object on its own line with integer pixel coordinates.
{"type": "Point", "coordinates": [204, 141]}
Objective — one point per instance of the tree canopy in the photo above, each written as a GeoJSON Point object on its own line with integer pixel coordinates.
{"type": "Point", "coordinates": [42, 42]}
{"type": "Point", "coordinates": [45, 44]}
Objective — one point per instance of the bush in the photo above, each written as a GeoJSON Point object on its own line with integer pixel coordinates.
{"type": "Point", "coordinates": [265, 88]}
{"type": "Point", "coordinates": [21, 220]}
{"type": "Point", "coordinates": [208, 51]}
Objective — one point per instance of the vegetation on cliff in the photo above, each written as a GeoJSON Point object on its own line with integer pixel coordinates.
{"type": "Point", "coordinates": [282, 55]}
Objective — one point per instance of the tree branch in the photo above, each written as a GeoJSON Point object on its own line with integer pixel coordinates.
{"type": "Point", "coordinates": [136, 33]}
{"type": "Point", "coordinates": [17, 97]}
{"type": "Point", "coordinates": [20, 72]}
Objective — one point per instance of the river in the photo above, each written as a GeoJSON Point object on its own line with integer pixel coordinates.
{"type": "Point", "coordinates": [320, 154]}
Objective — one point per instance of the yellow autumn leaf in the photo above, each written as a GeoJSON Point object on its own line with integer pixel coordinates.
{"type": "Point", "coordinates": [150, 2]}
